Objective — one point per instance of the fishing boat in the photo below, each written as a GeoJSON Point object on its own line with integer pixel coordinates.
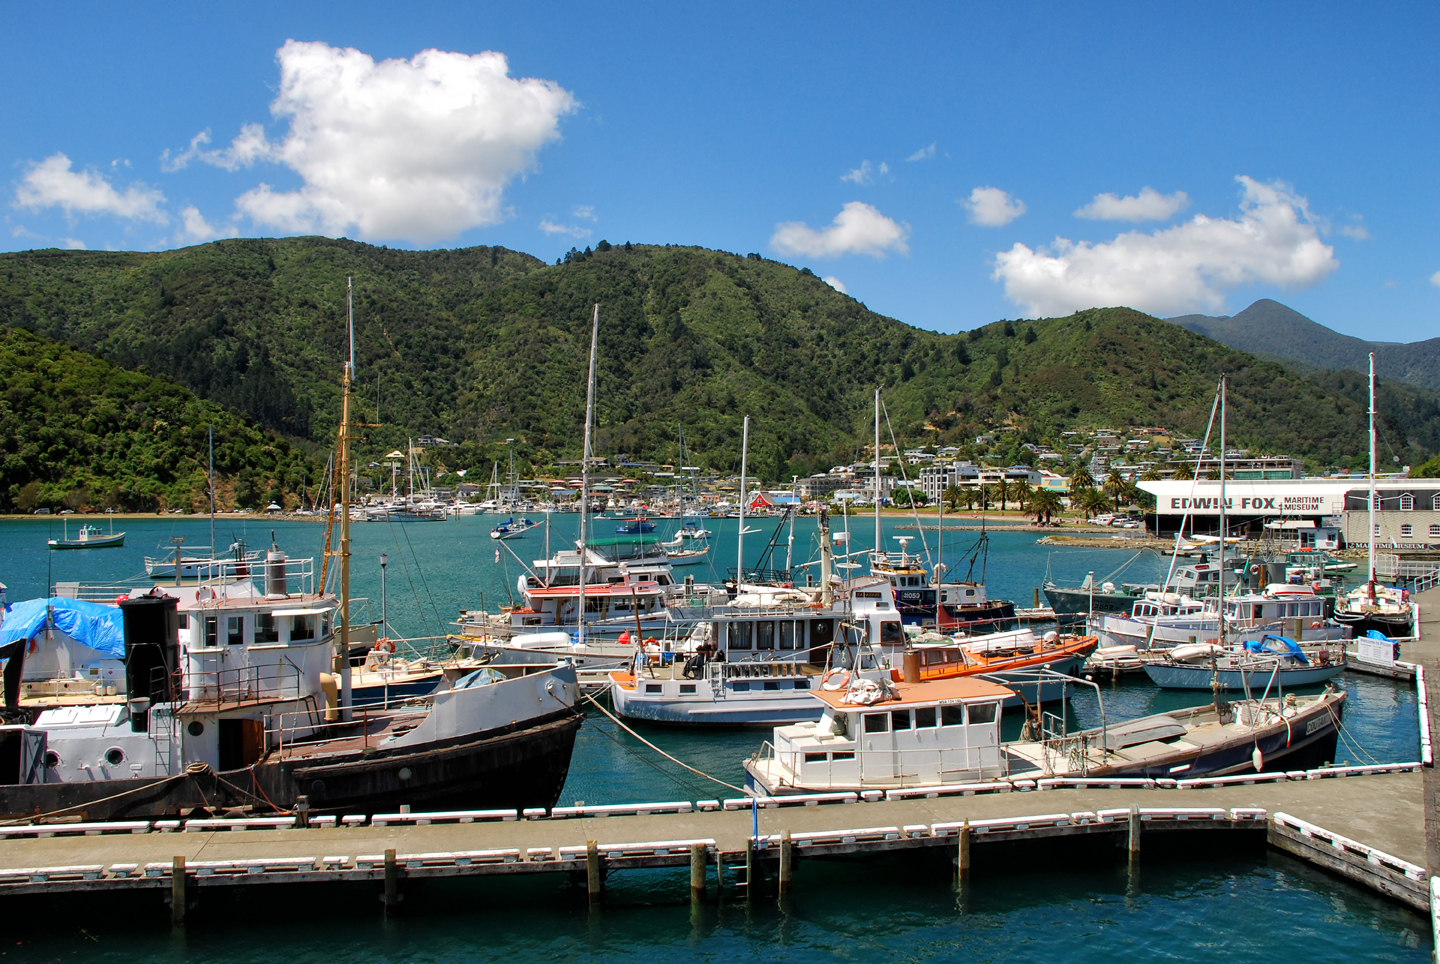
{"type": "Point", "coordinates": [245, 699]}
{"type": "Point", "coordinates": [1015, 659]}
{"type": "Point", "coordinates": [635, 527]}
{"type": "Point", "coordinates": [202, 562]}
{"type": "Point", "coordinates": [947, 732]}
{"type": "Point", "coordinates": [1271, 662]}
{"type": "Point", "coordinates": [89, 537]}
{"type": "Point", "coordinates": [511, 528]}
{"type": "Point", "coordinates": [755, 658]}
{"type": "Point", "coordinates": [922, 599]}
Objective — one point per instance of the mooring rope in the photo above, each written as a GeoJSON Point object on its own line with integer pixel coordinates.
{"type": "Point", "coordinates": [680, 763]}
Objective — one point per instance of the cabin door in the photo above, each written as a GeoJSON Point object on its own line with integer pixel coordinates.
{"type": "Point", "coordinates": [822, 636]}
{"type": "Point", "coordinates": [242, 742]}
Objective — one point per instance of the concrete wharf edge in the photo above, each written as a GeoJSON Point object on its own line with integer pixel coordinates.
{"type": "Point", "coordinates": [1385, 811]}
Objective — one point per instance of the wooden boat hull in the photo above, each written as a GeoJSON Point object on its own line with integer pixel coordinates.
{"type": "Point", "coordinates": [508, 768]}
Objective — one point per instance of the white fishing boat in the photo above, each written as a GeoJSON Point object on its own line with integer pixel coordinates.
{"type": "Point", "coordinates": [1271, 663]}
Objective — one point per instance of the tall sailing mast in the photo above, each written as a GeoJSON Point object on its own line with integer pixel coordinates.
{"type": "Point", "coordinates": [1370, 536]}
{"type": "Point", "coordinates": [585, 474]}
{"type": "Point", "coordinates": [740, 537]}
{"type": "Point", "coordinates": [342, 652]}
{"type": "Point", "coordinates": [879, 547]}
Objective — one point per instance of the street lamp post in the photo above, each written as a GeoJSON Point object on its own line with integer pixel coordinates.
{"type": "Point", "coordinates": [384, 561]}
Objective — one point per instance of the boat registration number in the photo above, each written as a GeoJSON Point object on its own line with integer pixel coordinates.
{"type": "Point", "coordinates": [1319, 723]}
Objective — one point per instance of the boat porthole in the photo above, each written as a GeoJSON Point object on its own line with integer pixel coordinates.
{"type": "Point", "coordinates": [52, 760]}
{"type": "Point", "coordinates": [405, 773]}
{"type": "Point", "coordinates": [114, 756]}
{"type": "Point", "coordinates": [317, 787]}
{"type": "Point", "coordinates": [195, 728]}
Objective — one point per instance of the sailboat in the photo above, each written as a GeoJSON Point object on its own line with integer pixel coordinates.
{"type": "Point", "coordinates": [1373, 607]}
{"type": "Point", "coordinates": [239, 695]}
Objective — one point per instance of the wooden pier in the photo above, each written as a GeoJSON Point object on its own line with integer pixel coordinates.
{"type": "Point", "coordinates": [1361, 822]}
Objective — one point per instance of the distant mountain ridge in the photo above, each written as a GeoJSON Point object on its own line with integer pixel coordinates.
{"type": "Point", "coordinates": [1270, 330]}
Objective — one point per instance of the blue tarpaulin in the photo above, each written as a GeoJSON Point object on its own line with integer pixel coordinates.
{"type": "Point", "coordinates": [99, 627]}
{"type": "Point", "coordinates": [1287, 646]}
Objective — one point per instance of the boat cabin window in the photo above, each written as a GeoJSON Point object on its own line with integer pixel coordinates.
{"type": "Point", "coordinates": [184, 620]}
{"type": "Point", "coordinates": [891, 634]}
{"type": "Point", "coordinates": [982, 713]}
{"type": "Point", "coordinates": [952, 714]}
{"type": "Point", "coordinates": [267, 628]}
{"type": "Point", "coordinates": [877, 722]}
{"type": "Point", "coordinates": [765, 635]}
{"type": "Point", "coordinates": [900, 720]}
{"type": "Point", "coordinates": [594, 605]}
{"type": "Point", "coordinates": [739, 636]}
{"type": "Point", "coordinates": [302, 627]}
{"type": "Point", "coordinates": [841, 755]}
{"type": "Point", "coordinates": [235, 630]}
{"type": "Point", "coordinates": [787, 635]}
{"type": "Point", "coordinates": [210, 631]}
{"type": "Point", "coordinates": [925, 718]}
{"type": "Point", "coordinates": [816, 757]}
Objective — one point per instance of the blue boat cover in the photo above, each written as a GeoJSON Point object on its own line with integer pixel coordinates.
{"type": "Point", "coordinates": [1376, 634]}
{"type": "Point", "coordinates": [97, 626]}
{"type": "Point", "coordinates": [1290, 646]}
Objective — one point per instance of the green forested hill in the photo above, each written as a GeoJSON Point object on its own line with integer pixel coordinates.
{"type": "Point", "coordinates": [483, 344]}
{"type": "Point", "coordinates": [76, 431]}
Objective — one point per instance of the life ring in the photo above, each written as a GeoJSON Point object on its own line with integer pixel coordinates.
{"type": "Point", "coordinates": [383, 645]}
{"type": "Point", "coordinates": [1316, 624]}
{"type": "Point", "coordinates": [836, 679]}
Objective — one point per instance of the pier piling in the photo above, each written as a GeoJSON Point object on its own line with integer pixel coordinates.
{"type": "Point", "coordinates": [749, 867]}
{"type": "Point", "coordinates": [787, 857]}
{"type": "Point", "coordinates": [177, 891]}
{"type": "Point", "coordinates": [1133, 836]}
{"type": "Point", "coordinates": [593, 878]}
{"type": "Point", "coordinates": [697, 871]}
{"type": "Point", "coordinates": [962, 856]}
{"type": "Point", "coordinates": [392, 883]}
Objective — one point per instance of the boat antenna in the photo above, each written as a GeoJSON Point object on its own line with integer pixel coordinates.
{"type": "Point", "coordinates": [585, 472]}
{"type": "Point", "coordinates": [740, 537]}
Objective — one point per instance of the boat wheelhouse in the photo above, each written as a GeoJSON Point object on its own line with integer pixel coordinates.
{"type": "Point", "coordinates": [920, 734]}
{"type": "Point", "coordinates": [921, 601]}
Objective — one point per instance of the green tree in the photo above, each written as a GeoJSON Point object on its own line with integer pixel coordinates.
{"type": "Point", "coordinates": [1183, 472]}
{"type": "Point", "coordinates": [1044, 503]}
{"type": "Point", "coordinates": [1093, 502]}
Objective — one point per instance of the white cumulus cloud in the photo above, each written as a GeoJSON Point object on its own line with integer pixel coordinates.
{"type": "Point", "coordinates": [250, 146]}
{"type": "Point", "coordinates": [992, 207]}
{"type": "Point", "coordinates": [420, 149]}
{"type": "Point", "coordinates": [924, 154]}
{"type": "Point", "coordinates": [857, 229]}
{"type": "Point", "coordinates": [51, 183]}
{"type": "Point", "coordinates": [1176, 270]}
{"type": "Point", "coordinates": [585, 212]}
{"type": "Point", "coordinates": [1148, 205]}
{"type": "Point", "coordinates": [194, 227]}
{"type": "Point", "coordinates": [835, 283]}
{"type": "Point", "coordinates": [74, 244]}
{"type": "Point", "coordinates": [552, 227]}
{"type": "Point", "coordinates": [866, 173]}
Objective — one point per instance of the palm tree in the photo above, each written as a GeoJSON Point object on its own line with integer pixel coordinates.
{"type": "Point", "coordinates": [952, 497]}
{"type": "Point", "coordinates": [1081, 479]}
{"type": "Point", "coordinates": [1151, 474]}
{"type": "Point", "coordinates": [1093, 502]}
{"type": "Point", "coordinates": [1115, 486]}
{"type": "Point", "coordinates": [1045, 502]}
{"type": "Point", "coordinates": [1184, 473]}
{"type": "Point", "coordinates": [1022, 491]}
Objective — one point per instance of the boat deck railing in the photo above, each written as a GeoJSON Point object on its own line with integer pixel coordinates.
{"type": "Point", "coordinates": [890, 768]}
{"type": "Point", "coordinates": [244, 685]}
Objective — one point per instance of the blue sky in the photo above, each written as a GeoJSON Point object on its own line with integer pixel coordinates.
{"type": "Point", "coordinates": [946, 164]}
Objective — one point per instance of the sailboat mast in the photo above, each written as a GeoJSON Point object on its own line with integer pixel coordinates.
{"type": "Point", "coordinates": [876, 493]}
{"type": "Point", "coordinates": [740, 536]}
{"type": "Point", "coordinates": [212, 492]}
{"type": "Point", "coordinates": [342, 652]}
{"type": "Point", "coordinates": [585, 473]}
{"type": "Point", "coordinates": [1370, 540]}
{"type": "Point", "coordinates": [1221, 573]}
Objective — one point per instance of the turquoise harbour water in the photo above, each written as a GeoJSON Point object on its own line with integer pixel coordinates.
{"type": "Point", "coordinates": [1193, 904]}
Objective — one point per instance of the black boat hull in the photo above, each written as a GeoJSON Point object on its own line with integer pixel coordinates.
{"type": "Point", "coordinates": [511, 768]}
